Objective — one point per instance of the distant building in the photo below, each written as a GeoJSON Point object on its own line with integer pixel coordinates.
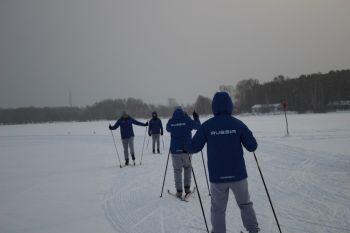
{"type": "Point", "coordinates": [342, 105]}
{"type": "Point", "coordinates": [267, 108]}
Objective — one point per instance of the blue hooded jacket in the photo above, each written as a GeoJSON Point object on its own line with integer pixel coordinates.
{"type": "Point", "coordinates": [155, 125]}
{"type": "Point", "coordinates": [126, 129]}
{"type": "Point", "coordinates": [224, 135]}
{"type": "Point", "coordinates": [180, 127]}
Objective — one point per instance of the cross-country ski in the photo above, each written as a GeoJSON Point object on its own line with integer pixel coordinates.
{"type": "Point", "coordinates": [189, 194]}
{"type": "Point", "coordinates": [183, 197]}
{"type": "Point", "coordinates": [179, 197]}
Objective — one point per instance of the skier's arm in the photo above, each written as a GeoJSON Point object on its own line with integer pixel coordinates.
{"type": "Point", "coordinates": [135, 122]}
{"type": "Point", "coordinates": [161, 127]}
{"type": "Point", "coordinates": [116, 125]}
{"type": "Point", "coordinates": [195, 124]}
{"type": "Point", "coordinates": [168, 127]}
{"type": "Point", "coordinates": [149, 128]}
{"type": "Point", "coordinates": [248, 140]}
{"type": "Point", "coordinates": [197, 142]}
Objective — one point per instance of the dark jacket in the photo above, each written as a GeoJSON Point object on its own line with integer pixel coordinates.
{"type": "Point", "coordinates": [155, 126]}
{"type": "Point", "coordinates": [224, 136]}
{"type": "Point", "coordinates": [126, 129]}
{"type": "Point", "coordinates": [180, 127]}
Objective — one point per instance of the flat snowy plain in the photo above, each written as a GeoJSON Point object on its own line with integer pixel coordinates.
{"type": "Point", "coordinates": [64, 177]}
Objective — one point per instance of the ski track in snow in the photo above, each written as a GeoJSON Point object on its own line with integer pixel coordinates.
{"type": "Point", "coordinates": [307, 174]}
{"type": "Point", "coordinates": [137, 205]}
{"type": "Point", "coordinates": [301, 199]}
{"type": "Point", "coordinates": [313, 194]}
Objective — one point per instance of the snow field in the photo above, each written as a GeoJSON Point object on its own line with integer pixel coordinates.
{"type": "Point", "coordinates": [63, 177]}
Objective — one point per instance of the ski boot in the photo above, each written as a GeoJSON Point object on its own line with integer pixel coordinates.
{"type": "Point", "coordinates": [187, 190]}
{"type": "Point", "coordinates": [133, 159]}
{"type": "Point", "coordinates": [126, 162]}
{"type": "Point", "coordinates": [179, 193]}
{"type": "Point", "coordinates": [154, 151]}
{"type": "Point", "coordinates": [158, 151]}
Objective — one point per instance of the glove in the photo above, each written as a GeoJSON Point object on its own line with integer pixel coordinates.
{"type": "Point", "coordinates": [149, 134]}
{"type": "Point", "coordinates": [161, 133]}
{"type": "Point", "coordinates": [195, 114]}
{"type": "Point", "coordinates": [110, 127]}
{"type": "Point", "coordinates": [146, 124]}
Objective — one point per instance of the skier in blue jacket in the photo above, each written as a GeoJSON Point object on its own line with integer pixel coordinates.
{"type": "Point", "coordinates": [155, 130]}
{"type": "Point", "coordinates": [180, 127]}
{"type": "Point", "coordinates": [224, 136]}
{"type": "Point", "coordinates": [127, 134]}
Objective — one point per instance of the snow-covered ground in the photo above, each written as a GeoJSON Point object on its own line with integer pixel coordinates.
{"type": "Point", "coordinates": [63, 177]}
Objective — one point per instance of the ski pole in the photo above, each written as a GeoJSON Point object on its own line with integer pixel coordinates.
{"type": "Point", "coordinates": [199, 196]}
{"type": "Point", "coordinates": [115, 145]}
{"type": "Point", "coordinates": [147, 143]}
{"type": "Point", "coordinates": [143, 146]}
{"type": "Point", "coordinates": [205, 171]}
{"type": "Point", "coordinates": [267, 192]}
{"type": "Point", "coordinates": [163, 143]}
{"type": "Point", "coordinates": [166, 168]}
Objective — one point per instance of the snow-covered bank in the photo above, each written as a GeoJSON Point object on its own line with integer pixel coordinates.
{"type": "Point", "coordinates": [63, 177]}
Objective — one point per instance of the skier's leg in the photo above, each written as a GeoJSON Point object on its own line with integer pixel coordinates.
{"type": "Point", "coordinates": [158, 142]}
{"type": "Point", "coordinates": [187, 171]}
{"type": "Point", "coordinates": [219, 198]}
{"type": "Point", "coordinates": [153, 143]}
{"type": "Point", "coordinates": [125, 147]}
{"type": "Point", "coordinates": [177, 164]}
{"type": "Point", "coordinates": [132, 150]}
{"type": "Point", "coordinates": [240, 190]}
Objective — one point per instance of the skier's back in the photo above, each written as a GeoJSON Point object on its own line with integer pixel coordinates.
{"type": "Point", "coordinates": [180, 127]}
{"type": "Point", "coordinates": [225, 136]}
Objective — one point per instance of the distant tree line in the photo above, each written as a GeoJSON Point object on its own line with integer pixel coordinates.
{"type": "Point", "coordinates": [312, 92]}
{"type": "Point", "coordinates": [110, 109]}
{"type": "Point", "coordinates": [306, 93]}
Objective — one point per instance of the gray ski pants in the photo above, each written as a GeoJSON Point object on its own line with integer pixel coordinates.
{"type": "Point", "coordinates": [182, 161]}
{"type": "Point", "coordinates": [128, 142]}
{"type": "Point", "coordinates": [219, 198]}
{"type": "Point", "coordinates": [155, 139]}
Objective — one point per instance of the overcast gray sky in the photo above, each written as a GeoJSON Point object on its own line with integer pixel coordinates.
{"type": "Point", "coordinates": [155, 49]}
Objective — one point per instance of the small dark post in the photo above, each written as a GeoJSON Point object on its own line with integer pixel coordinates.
{"type": "Point", "coordinates": [285, 115]}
